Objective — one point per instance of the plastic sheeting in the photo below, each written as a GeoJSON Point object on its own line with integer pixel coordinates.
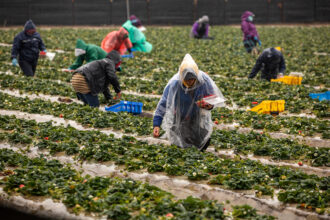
{"type": "Point", "coordinates": [185, 123]}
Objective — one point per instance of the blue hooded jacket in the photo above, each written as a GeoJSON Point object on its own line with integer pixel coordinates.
{"type": "Point", "coordinates": [27, 47]}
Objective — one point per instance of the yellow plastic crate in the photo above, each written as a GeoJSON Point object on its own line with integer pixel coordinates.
{"type": "Point", "coordinates": [290, 80]}
{"type": "Point", "coordinates": [269, 106]}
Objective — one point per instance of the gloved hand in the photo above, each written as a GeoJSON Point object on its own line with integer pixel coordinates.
{"type": "Point", "coordinates": [255, 38]}
{"type": "Point", "coordinates": [45, 50]}
{"type": "Point", "coordinates": [259, 42]}
{"type": "Point", "coordinates": [14, 62]}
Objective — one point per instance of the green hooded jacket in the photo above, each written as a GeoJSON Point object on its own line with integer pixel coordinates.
{"type": "Point", "coordinates": [93, 52]}
{"type": "Point", "coordinates": [137, 37]}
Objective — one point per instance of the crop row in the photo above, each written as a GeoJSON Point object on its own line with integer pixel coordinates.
{"type": "Point", "coordinates": [143, 126]}
{"type": "Point", "coordinates": [50, 87]}
{"type": "Point", "coordinates": [115, 198]}
{"type": "Point", "coordinates": [263, 145]}
{"type": "Point", "coordinates": [241, 92]}
{"type": "Point", "coordinates": [232, 61]}
{"type": "Point", "coordinates": [234, 174]}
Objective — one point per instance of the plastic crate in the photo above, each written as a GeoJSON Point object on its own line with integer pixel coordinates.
{"type": "Point", "coordinates": [290, 80]}
{"type": "Point", "coordinates": [269, 107]}
{"type": "Point", "coordinates": [126, 106]}
{"type": "Point", "coordinates": [320, 96]}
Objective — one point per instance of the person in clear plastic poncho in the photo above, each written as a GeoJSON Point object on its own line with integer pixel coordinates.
{"type": "Point", "coordinates": [184, 117]}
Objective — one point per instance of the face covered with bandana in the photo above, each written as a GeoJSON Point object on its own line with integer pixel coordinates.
{"type": "Point", "coordinates": [78, 52]}
{"type": "Point", "coordinates": [189, 79]}
{"type": "Point", "coordinates": [30, 32]}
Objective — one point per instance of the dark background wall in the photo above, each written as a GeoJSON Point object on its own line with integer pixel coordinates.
{"type": "Point", "coordinates": [161, 12]}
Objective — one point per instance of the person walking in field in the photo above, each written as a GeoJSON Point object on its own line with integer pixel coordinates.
{"type": "Point", "coordinates": [250, 33]}
{"type": "Point", "coordinates": [86, 52]}
{"type": "Point", "coordinates": [26, 48]}
{"type": "Point", "coordinates": [95, 77]}
{"type": "Point", "coordinates": [183, 111]}
{"type": "Point", "coordinates": [271, 63]}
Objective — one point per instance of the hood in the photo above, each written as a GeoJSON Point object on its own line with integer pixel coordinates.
{"type": "Point", "coordinates": [128, 25]}
{"type": "Point", "coordinates": [245, 15]}
{"type": "Point", "coordinates": [114, 56]}
{"type": "Point", "coordinates": [188, 69]}
{"type": "Point", "coordinates": [135, 21]}
{"type": "Point", "coordinates": [122, 33]}
{"type": "Point", "coordinates": [29, 25]}
{"type": "Point", "coordinates": [81, 44]}
{"type": "Point", "coordinates": [205, 19]}
{"type": "Point", "coordinates": [132, 17]}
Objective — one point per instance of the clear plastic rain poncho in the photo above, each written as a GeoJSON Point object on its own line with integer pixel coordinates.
{"type": "Point", "coordinates": [185, 123]}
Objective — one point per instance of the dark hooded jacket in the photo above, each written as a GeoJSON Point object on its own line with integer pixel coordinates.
{"type": "Point", "coordinates": [27, 47]}
{"type": "Point", "coordinates": [271, 61]}
{"type": "Point", "coordinates": [100, 73]}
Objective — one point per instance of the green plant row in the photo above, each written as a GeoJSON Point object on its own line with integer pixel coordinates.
{"type": "Point", "coordinates": [116, 198]}
{"type": "Point", "coordinates": [264, 145]}
{"type": "Point", "coordinates": [88, 116]}
{"type": "Point", "coordinates": [242, 92]}
{"type": "Point", "coordinates": [234, 174]}
{"type": "Point", "coordinates": [143, 126]}
{"type": "Point", "coordinates": [49, 87]}
{"type": "Point", "coordinates": [291, 125]}
{"type": "Point", "coordinates": [232, 61]}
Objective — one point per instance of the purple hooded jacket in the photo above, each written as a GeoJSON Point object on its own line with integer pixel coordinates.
{"type": "Point", "coordinates": [194, 30]}
{"type": "Point", "coordinates": [248, 28]}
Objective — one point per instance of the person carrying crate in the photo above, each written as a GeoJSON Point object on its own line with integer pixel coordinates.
{"type": "Point", "coordinates": [182, 111]}
{"type": "Point", "coordinates": [86, 52]}
{"type": "Point", "coordinates": [271, 63]}
{"type": "Point", "coordinates": [27, 45]}
{"type": "Point", "coordinates": [94, 77]}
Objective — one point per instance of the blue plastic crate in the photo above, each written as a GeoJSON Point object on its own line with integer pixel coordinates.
{"type": "Point", "coordinates": [320, 96]}
{"type": "Point", "coordinates": [126, 106]}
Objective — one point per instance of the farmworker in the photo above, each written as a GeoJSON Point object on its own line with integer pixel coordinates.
{"type": "Point", "coordinates": [200, 28]}
{"type": "Point", "coordinates": [251, 37]}
{"type": "Point", "coordinates": [137, 22]}
{"type": "Point", "coordinates": [88, 52]}
{"type": "Point", "coordinates": [27, 45]}
{"type": "Point", "coordinates": [117, 40]}
{"type": "Point", "coordinates": [182, 112]}
{"type": "Point", "coordinates": [137, 38]}
{"type": "Point", "coordinates": [95, 77]}
{"type": "Point", "coordinates": [271, 63]}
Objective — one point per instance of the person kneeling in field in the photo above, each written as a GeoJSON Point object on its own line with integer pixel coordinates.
{"type": "Point", "coordinates": [95, 77]}
{"type": "Point", "coordinates": [184, 115]}
{"type": "Point", "coordinates": [271, 63]}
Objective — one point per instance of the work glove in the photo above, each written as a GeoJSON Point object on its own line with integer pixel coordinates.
{"type": "Point", "coordinates": [259, 42]}
{"type": "Point", "coordinates": [14, 62]}
{"type": "Point", "coordinates": [45, 50]}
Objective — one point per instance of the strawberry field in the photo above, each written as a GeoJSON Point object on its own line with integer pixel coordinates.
{"type": "Point", "coordinates": [93, 164]}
